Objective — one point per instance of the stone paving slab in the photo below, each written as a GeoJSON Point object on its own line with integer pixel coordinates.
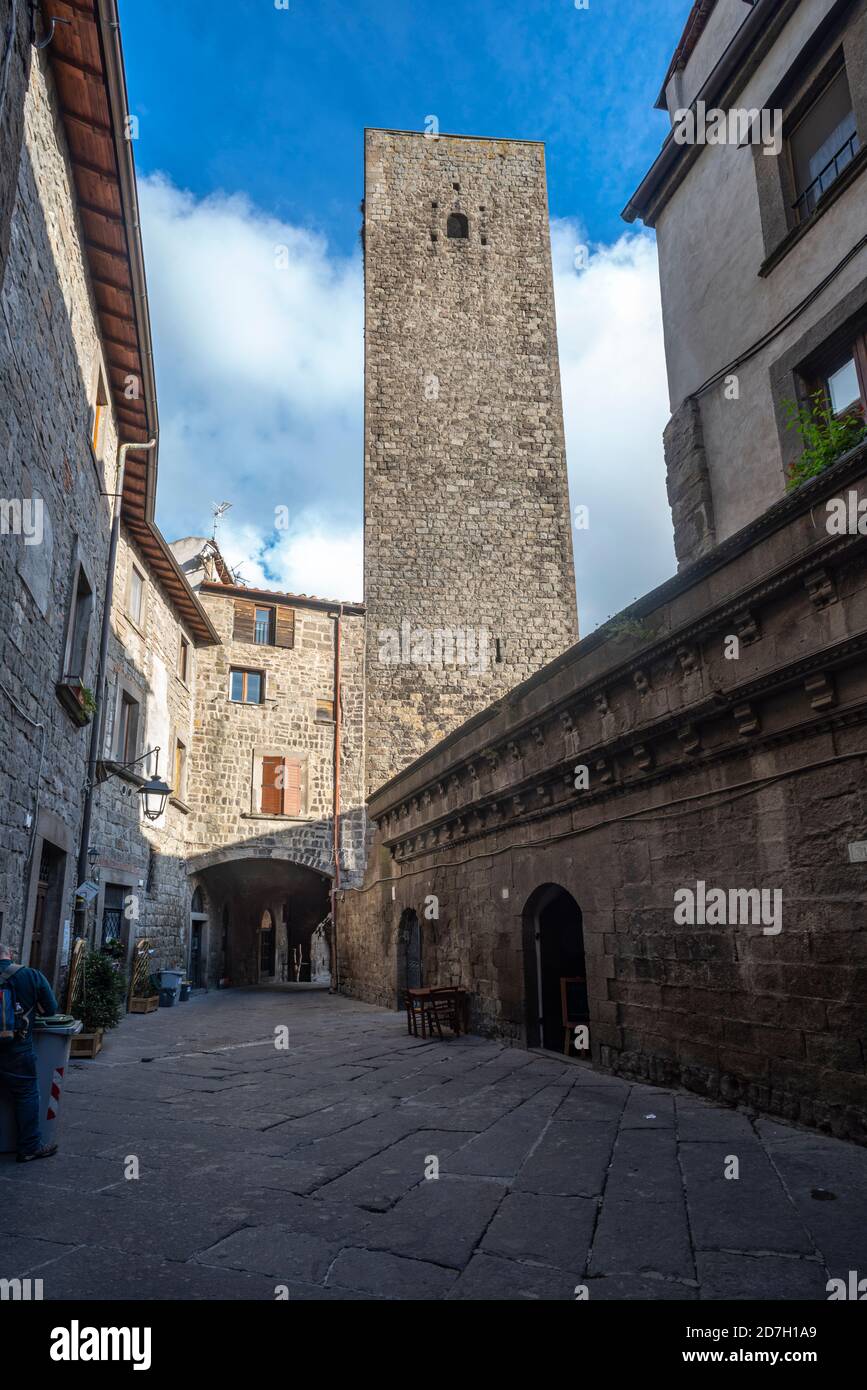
{"type": "Point", "coordinates": [311, 1169]}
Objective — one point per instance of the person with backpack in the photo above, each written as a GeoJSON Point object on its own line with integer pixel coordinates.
{"type": "Point", "coordinates": [23, 992]}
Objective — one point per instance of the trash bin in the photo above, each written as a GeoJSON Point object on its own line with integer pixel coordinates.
{"type": "Point", "coordinates": [171, 979]}
{"type": "Point", "coordinates": [168, 998]}
{"type": "Point", "coordinates": [52, 1038]}
{"type": "Point", "coordinates": [186, 986]}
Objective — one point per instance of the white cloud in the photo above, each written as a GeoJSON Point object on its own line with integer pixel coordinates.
{"type": "Point", "coordinates": [259, 350]}
{"type": "Point", "coordinates": [615, 403]}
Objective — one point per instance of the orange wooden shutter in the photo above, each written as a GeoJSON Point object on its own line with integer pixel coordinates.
{"type": "Point", "coordinates": [272, 790]}
{"type": "Point", "coordinates": [292, 785]}
{"type": "Point", "coordinates": [245, 621]}
{"type": "Point", "coordinates": [284, 635]}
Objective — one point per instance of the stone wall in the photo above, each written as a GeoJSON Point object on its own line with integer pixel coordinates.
{"type": "Point", "coordinates": [15, 54]}
{"type": "Point", "coordinates": [467, 523]}
{"type": "Point", "coordinates": [722, 723]}
{"type": "Point", "coordinates": [148, 859]}
{"type": "Point", "coordinates": [50, 354]}
{"type": "Point", "coordinates": [230, 736]}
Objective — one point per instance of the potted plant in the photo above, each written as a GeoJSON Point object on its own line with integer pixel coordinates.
{"type": "Point", "coordinates": [144, 998]}
{"type": "Point", "coordinates": [826, 437]}
{"type": "Point", "coordinates": [98, 1002]}
{"type": "Point", "coordinates": [77, 699]}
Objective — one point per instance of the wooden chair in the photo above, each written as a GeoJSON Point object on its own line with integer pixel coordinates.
{"type": "Point", "coordinates": [448, 1005]}
{"type": "Point", "coordinates": [421, 1008]}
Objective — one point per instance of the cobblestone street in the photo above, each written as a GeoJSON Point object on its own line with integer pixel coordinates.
{"type": "Point", "coordinates": [306, 1168]}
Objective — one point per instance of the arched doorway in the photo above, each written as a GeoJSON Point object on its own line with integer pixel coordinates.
{"type": "Point", "coordinates": [248, 947]}
{"type": "Point", "coordinates": [409, 961]}
{"type": "Point", "coordinates": [554, 967]}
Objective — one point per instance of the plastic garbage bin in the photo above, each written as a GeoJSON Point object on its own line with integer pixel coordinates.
{"type": "Point", "coordinates": [171, 979]}
{"type": "Point", "coordinates": [168, 998]}
{"type": "Point", "coordinates": [52, 1038]}
{"type": "Point", "coordinates": [186, 986]}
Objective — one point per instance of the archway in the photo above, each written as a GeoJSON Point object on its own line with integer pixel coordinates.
{"type": "Point", "coordinates": [555, 973]}
{"type": "Point", "coordinates": [265, 909]}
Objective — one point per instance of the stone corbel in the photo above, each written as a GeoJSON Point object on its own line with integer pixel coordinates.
{"type": "Point", "coordinates": [689, 739]}
{"type": "Point", "coordinates": [514, 749]}
{"type": "Point", "coordinates": [747, 627]}
{"type": "Point", "coordinates": [688, 658]}
{"type": "Point", "coordinates": [641, 681]}
{"type": "Point", "coordinates": [747, 719]}
{"type": "Point", "coordinates": [643, 756]}
{"type": "Point", "coordinates": [538, 735]}
{"type": "Point", "coordinates": [603, 772]}
{"type": "Point", "coordinates": [492, 758]}
{"type": "Point", "coordinates": [821, 691]}
{"type": "Point", "coordinates": [601, 703]}
{"type": "Point", "coordinates": [821, 588]}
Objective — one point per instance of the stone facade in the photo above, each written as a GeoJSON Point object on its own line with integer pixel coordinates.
{"type": "Point", "coordinates": [757, 298]}
{"type": "Point", "coordinates": [144, 862]}
{"type": "Point", "coordinates": [51, 359]}
{"type": "Point", "coordinates": [15, 23]}
{"type": "Point", "coordinates": [721, 724]}
{"type": "Point", "coordinates": [248, 860]}
{"type": "Point", "coordinates": [467, 525]}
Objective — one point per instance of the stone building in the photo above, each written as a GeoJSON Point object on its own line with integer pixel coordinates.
{"type": "Point", "coordinates": [74, 381]}
{"type": "Point", "coordinates": [761, 248]}
{"type": "Point", "coordinates": [468, 574]}
{"type": "Point", "coordinates": [274, 697]}
{"type": "Point", "coordinates": [663, 829]}
{"type": "Point", "coordinates": [158, 633]}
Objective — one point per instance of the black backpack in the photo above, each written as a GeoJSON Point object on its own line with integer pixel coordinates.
{"type": "Point", "coordinates": [14, 1020]}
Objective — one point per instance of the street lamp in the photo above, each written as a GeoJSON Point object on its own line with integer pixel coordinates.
{"type": "Point", "coordinates": [154, 794]}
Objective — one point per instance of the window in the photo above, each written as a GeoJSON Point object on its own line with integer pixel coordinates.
{"type": "Point", "coordinates": [282, 790]}
{"type": "Point", "coordinates": [126, 744]}
{"type": "Point", "coordinates": [822, 144]}
{"type": "Point", "coordinates": [183, 658]}
{"type": "Point", "coordinates": [263, 632]}
{"type": "Point", "coordinates": [75, 662]}
{"type": "Point", "coordinates": [100, 403]}
{"type": "Point", "coordinates": [265, 625]}
{"type": "Point", "coordinates": [246, 687]}
{"type": "Point", "coordinates": [325, 711]}
{"type": "Point", "coordinates": [180, 782]}
{"type": "Point", "coordinates": [457, 226]}
{"type": "Point", "coordinates": [842, 377]}
{"type": "Point", "coordinates": [135, 596]}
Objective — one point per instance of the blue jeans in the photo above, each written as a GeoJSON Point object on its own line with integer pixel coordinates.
{"type": "Point", "coordinates": [18, 1080]}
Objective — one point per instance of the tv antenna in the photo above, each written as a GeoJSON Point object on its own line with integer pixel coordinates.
{"type": "Point", "coordinates": [219, 510]}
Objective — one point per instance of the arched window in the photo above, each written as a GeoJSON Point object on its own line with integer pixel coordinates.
{"type": "Point", "coordinates": [457, 226]}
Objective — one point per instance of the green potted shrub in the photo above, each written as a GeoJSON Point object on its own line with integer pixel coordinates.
{"type": "Point", "coordinates": [99, 1001]}
{"type": "Point", "coordinates": [826, 436]}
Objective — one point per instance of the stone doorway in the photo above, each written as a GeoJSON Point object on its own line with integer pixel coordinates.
{"type": "Point", "coordinates": [409, 954]}
{"type": "Point", "coordinates": [554, 965]}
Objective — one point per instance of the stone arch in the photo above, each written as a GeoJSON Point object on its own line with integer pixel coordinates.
{"type": "Point", "coordinates": [553, 942]}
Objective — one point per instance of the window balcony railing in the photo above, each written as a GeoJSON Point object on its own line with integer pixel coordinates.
{"type": "Point", "coordinates": [263, 632]}
{"type": "Point", "coordinates": [807, 201]}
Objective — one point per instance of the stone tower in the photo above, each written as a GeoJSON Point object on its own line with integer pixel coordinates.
{"type": "Point", "coordinates": [468, 571]}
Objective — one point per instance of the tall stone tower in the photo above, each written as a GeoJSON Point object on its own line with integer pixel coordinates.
{"type": "Point", "coordinates": [468, 571]}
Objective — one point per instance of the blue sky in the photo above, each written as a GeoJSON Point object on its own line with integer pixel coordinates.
{"type": "Point", "coordinates": [251, 120]}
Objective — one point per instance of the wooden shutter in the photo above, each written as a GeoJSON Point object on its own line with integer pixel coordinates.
{"type": "Point", "coordinates": [272, 791]}
{"type": "Point", "coordinates": [245, 621]}
{"type": "Point", "coordinates": [292, 787]}
{"type": "Point", "coordinates": [284, 635]}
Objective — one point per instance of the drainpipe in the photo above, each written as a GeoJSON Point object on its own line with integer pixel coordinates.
{"type": "Point", "coordinates": [335, 832]}
{"type": "Point", "coordinates": [98, 726]}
